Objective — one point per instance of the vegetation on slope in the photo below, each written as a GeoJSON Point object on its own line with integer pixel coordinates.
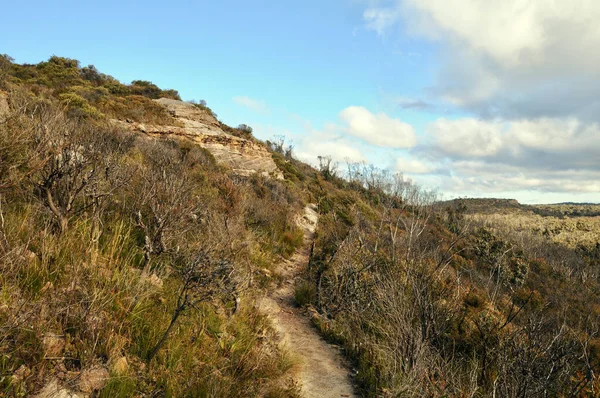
{"type": "Point", "coordinates": [129, 255]}
{"type": "Point", "coordinates": [431, 302]}
{"type": "Point", "coordinates": [118, 249]}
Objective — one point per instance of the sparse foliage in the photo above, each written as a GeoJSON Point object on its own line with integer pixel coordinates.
{"type": "Point", "coordinates": [203, 279]}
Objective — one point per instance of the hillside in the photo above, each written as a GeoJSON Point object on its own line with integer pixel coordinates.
{"type": "Point", "coordinates": [145, 248]}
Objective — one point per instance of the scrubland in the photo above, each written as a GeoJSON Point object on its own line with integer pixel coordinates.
{"type": "Point", "coordinates": [139, 259]}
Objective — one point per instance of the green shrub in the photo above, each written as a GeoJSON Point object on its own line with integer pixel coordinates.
{"type": "Point", "coordinates": [304, 294]}
{"type": "Point", "coordinates": [79, 106]}
{"type": "Point", "coordinates": [291, 240]}
{"type": "Point", "coordinates": [474, 299]}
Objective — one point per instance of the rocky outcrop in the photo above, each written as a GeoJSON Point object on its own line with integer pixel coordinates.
{"type": "Point", "coordinates": [244, 156]}
{"type": "Point", "coordinates": [54, 390]}
{"type": "Point", "coordinates": [93, 379]}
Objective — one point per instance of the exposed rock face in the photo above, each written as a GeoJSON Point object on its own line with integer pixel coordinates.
{"type": "Point", "coordinates": [245, 157]}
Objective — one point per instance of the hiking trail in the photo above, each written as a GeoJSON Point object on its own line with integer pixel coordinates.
{"type": "Point", "coordinates": [323, 372]}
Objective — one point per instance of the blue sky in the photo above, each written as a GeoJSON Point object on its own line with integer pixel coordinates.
{"type": "Point", "coordinates": [456, 107]}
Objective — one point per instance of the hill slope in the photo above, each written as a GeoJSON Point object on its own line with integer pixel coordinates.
{"type": "Point", "coordinates": [138, 234]}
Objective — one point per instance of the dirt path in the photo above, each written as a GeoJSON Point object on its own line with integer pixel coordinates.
{"type": "Point", "coordinates": [322, 373]}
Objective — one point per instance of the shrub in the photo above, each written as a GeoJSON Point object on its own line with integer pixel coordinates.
{"type": "Point", "coordinates": [79, 106]}
{"type": "Point", "coordinates": [304, 294]}
{"type": "Point", "coordinates": [138, 108]}
{"type": "Point", "coordinates": [5, 67]}
{"type": "Point", "coordinates": [203, 106]}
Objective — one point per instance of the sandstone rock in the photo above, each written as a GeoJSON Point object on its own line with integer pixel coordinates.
{"type": "Point", "coordinates": [244, 156]}
{"type": "Point", "coordinates": [308, 221]}
{"type": "Point", "coordinates": [93, 379]}
{"type": "Point", "coordinates": [189, 112]}
{"type": "Point", "coordinates": [54, 390]}
{"type": "Point", "coordinates": [120, 366]}
{"type": "Point", "coordinates": [53, 344]}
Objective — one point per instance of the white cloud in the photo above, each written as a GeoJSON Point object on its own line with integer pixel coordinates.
{"type": "Point", "coordinates": [511, 58]}
{"type": "Point", "coordinates": [467, 137]}
{"type": "Point", "coordinates": [377, 129]}
{"type": "Point", "coordinates": [338, 149]}
{"type": "Point", "coordinates": [480, 176]}
{"type": "Point", "coordinates": [407, 165]}
{"type": "Point", "coordinates": [252, 104]}
{"type": "Point", "coordinates": [489, 157]}
{"type": "Point", "coordinates": [568, 143]}
{"type": "Point", "coordinates": [511, 32]}
{"type": "Point", "coordinates": [310, 143]}
{"type": "Point", "coordinates": [528, 71]}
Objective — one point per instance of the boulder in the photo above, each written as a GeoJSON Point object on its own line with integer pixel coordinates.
{"type": "Point", "coordinates": [54, 390]}
{"type": "Point", "coordinates": [93, 379]}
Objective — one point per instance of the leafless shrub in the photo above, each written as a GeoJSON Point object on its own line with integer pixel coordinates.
{"type": "Point", "coordinates": [203, 279]}
{"type": "Point", "coordinates": [162, 198]}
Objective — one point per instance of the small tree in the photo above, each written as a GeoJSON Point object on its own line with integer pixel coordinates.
{"type": "Point", "coordinates": [279, 145]}
{"type": "Point", "coordinates": [327, 168]}
{"type": "Point", "coordinates": [245, 128]}
{"type": "Point", "coordinates": [74, 170]}
{"type": "Point", "coordinates": [203, 279]}
{"type": "Point", "coordinates": [245, 131]}
{"type": "Point", "coordinates": [163, 199]}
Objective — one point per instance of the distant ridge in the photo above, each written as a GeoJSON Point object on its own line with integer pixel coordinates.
{"type": "Point", "coordinates": [494, 205]}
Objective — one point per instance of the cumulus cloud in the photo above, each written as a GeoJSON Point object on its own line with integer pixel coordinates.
{"type": "Point", "coordinates": [377, 129]}
{"type": "Point", "coordinates": [309, 143]}
{"type": "Point", "coordinates": [548, 143]}
{"type": "Point", "coordinates": [252, 104]}
{"type": "Point", "coordinates": [467, 137]}
{"type": "Point", "coordinates": [485, 177]}
{"type": "Point", "coordinates": [512, 58]}
{"type": "Point", "coordinates": [488, 157]}
{"type": "Point", "coordinates": [408, 165]}
{"type": "Point", "coordinates": [338, 149]}
{"type": "Point", "coordinates": [528, 73]}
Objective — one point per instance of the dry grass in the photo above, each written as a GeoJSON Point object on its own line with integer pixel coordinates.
{"type": "Point", "coordinates": [104, 292]}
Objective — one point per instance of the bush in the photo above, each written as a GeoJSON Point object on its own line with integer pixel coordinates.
{"type": "Point", "coordinates": [203, 106]}
{"type": "Point", "coordinates": [5, 67]}
{"type": "Point", "coordinates": [304, 294]}
{"type": "Point", "coordinates": [79, 106]}
{"type": "Point", "coordinates": [112, 199]}
{"type": "Point", "coordinates": [138, 108]}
